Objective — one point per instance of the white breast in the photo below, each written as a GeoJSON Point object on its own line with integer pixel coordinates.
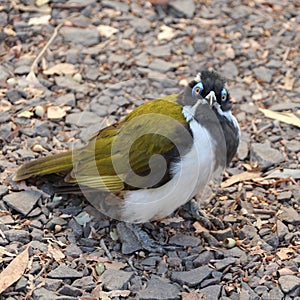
{"type": "Point", "coordinates": [191, 175]}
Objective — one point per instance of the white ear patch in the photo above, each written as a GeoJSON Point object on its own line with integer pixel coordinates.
{"type": "Point", "coordinates": [198, 77]}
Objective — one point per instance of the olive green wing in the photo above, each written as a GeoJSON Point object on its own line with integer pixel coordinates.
{"type": "Point", "coordinates": [135, 152]}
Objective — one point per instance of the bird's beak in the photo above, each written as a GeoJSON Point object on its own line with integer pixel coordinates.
{"type": "Point", "coordinates": [211, 98]}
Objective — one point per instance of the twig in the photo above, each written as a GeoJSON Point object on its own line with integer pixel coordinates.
{"type": "Point", "coordinates": [264, 211]}
{"type": "Point", "coordinates": [103, 246]}
{"type": "Point", "coordinates": [31, 76]}
{"type": "Point", "coordinates": [25, 8]}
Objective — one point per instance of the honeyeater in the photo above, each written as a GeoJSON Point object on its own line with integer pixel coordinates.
{"type": "Point", "coordinates": [155, 159]}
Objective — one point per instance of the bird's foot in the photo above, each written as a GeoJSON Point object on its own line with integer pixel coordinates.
{"type": "Point", "coordinates": [148, 243]}
{"type": "Point", "coordinates": [210, 222]}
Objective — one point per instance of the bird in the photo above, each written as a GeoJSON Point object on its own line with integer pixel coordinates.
{"type": "Point", "coordinates": [157, 158]}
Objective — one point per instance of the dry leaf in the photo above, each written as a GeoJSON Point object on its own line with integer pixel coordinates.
{"type": "Point", "coordinates": [56, 112]}
{"type": "Point", "coordinates": [285, 117]}
{"type": "Point", "coordinates": [167, 33]}
{"type": "Point", "coordinates": [239, 178]}
{"type": "Point", "coordinates": [115, 265]}
{"type": "Point", "coordinates": [61, 69]}
{"type": "Point", "coordinates": [25, 114]}
{"type": "Point", "coordinates": [229, 52]}
{"type": "Point", "coordinates": [4, 252]}
{"type": "Point", "coordinates": [39, 20]}
{"type": "Point", "coordinates": [285, 173]}
{"type": "Point", "coordinates": [56, 253]}
{"type": "Point", "coordinates": [106, 31]}
{"type": "Point", "coordinates": [191, 296]}
{"type": "Point", "coordinates": [285, 253]}
{"type": "Point", "coordinates": [14, 270]}
{"type": "Point", "coordinates": [4, 105]}
{"type": "Point", "coordinates": [199, 228]}
{"type": "Point", "coordinates": [168, 221]}
{"type": "Point", "coordinates": [288, 81]}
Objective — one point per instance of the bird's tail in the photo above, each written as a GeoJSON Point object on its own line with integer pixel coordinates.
{"type": "Point", "coordinates": [61, 162]}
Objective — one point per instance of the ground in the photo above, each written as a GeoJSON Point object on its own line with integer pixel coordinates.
{"type": "Point", "coordinates": [69, 68]}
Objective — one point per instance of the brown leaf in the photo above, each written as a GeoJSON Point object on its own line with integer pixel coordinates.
{"type": "Point", "coordinates": [14, 270]}
{"type": "Point", "coordinates": [115, 265]}
{"type": "Point", "coordinates": [285, 117]}
{"type": "Point", "coordinates": [56, 253]}
{"type": "Point", "coordinates": [61, 69]}
{"type": "Point", "coordinates": [4, 105]}
{"type": "Point", "coordinates": [285, 253]}
{"type": "Point", "coordinates": [56, 112]}
{"type": "Point", "coordinates": [191, 296]}
{"type": "Point", "coordinates": [239, 178]}
{"type": "Point", "coordinates": [199, 228]}
{"type": "Point", "coordinates": [288, 81]}
{"type": "Point", "coordinates": [168, 221]}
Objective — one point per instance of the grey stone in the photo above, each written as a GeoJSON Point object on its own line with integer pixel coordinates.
{"type": "Point", "coordinates": [83, 36]}
{"type": "Point", "coordinates": [67, 99]}
{"type": "Point", "coordinates": [21, 236]}
{"type": "Point", "coordinates": [5, 130]}
{"type": "Point", "coordinates": [44, 294]}
{"type": "Point", "coordinates": [243, 150]}
{"type": "Point", "coordinates": [285, 106]}
{"type": "Point", "coordinates": [193, 277]}
{"type": "Point", "coordinates": [263, 74]}
{"type": "Point", "coordinates": [283, 196]}
{"type": "Point", "coordinates": [281, 230]}
{"type": "Point", "coordinates": [63, 272]}
{"type": "Point", "coordinates": [211, 292]}
{"type": "Point", "coordinates": [115, 58]}
{"type": "Point", "coordinates": [247, 291]}
{"type": "Point", "coordinates": [22, 70]}
{"type": "Point", "coordinates": [86, 283]}
{"type": "Point", "coordinates": [275, 293]}
{"type": "Point", "coordinates": [21, 284]}
{"type": "Point", "coordinates": [52, 284]}
{"type": "Point", "coordinates": [181, 239]}
{"type": "Point", "coordinates": [141, 25]}
{"type": "Point", "coordinates": [130, 242]}
{"type": "Point", "coordinates": [3, 19]}
{"type": "Point", "coordinates": [272, 240]}
{"type": "Point", "coordinates": [203, 258]}
{"type": "Point", "coordinates": [70, 84]}
{"type": "Point", "coordinates": [289, 215]}
{"type": "Point", "coordinates": [184, 7]}
{"type": "Point", "coordinates": [247, 231]}
{"type": "Point", "coordinates": [289, 283]}
{"type": "Point", "coordinates": [23, 202]}
{"type": "Point", "coordinates": [4, 75]}
{"type": "Point", "coordinates": [83, 119]}
{"type": "Point", "coordinates": [14, 95]}
{"type": "Point", "coordinates": [264, 155]}
{"type": "Point", "coordinates": [115, 279]}
{"type": "Point", "coordinates": [229, 70]}
{"type": "Point", "coordinates": [73, 250]}
{"type": "Point", "coordinates": [119, 6]}
{"type": "Point", "coordinates": [260, 289]}
{"type": "Point", "coordinates": [70, 291]}
{"type": "Point", "coordinates": [222, 264]}
{"type": "Point", "coordinates": [161, 65]}
{"type": "Point", "coordinates": [159, 289]}
{"type": "Point", "coordinates": [223, 234]}
{"type": "Point", "coordinates": [158, 51]}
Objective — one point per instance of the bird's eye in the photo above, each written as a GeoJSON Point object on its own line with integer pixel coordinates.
{"type": "Point", "coordinates": [197, 89]}
{"type": "Point", "coordinates": [223, 95]}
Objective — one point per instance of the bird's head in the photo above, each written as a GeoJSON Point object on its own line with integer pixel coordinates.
{"type": "Point", "coordinates": [212, 87]}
